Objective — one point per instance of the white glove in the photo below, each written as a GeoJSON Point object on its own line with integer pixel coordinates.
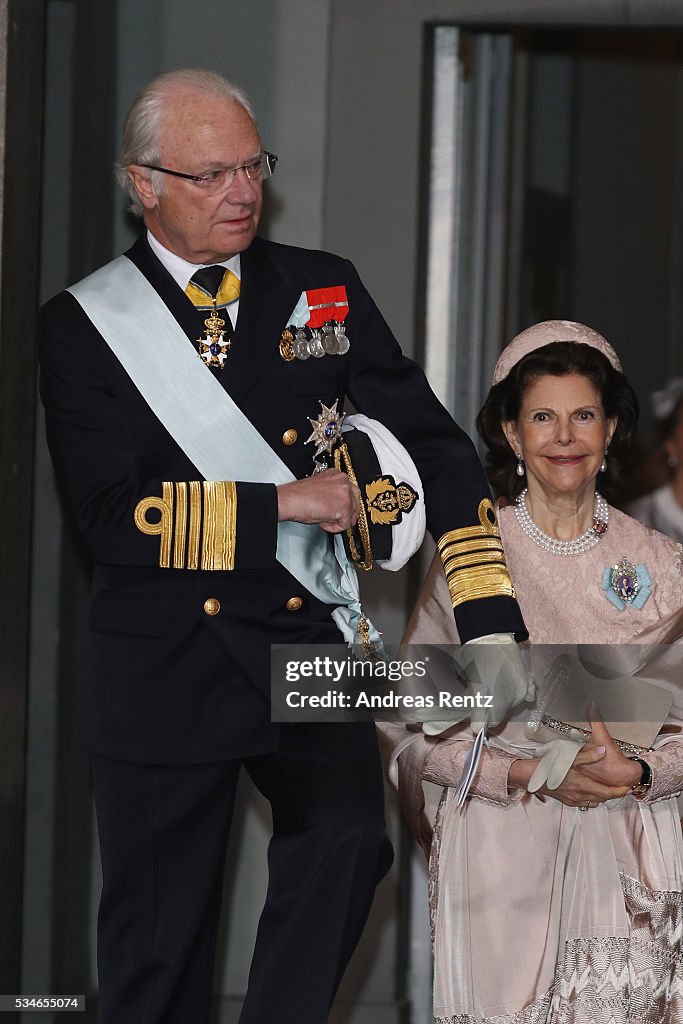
{"type": "Point", "coordinates": [497, 675]}
{"type": "Point", "coordinates": [557, 757]}
{"type": "Point", "coordinates": [495, 664]}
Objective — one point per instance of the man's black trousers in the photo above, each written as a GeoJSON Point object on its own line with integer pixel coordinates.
{"type": "Point", "coordinates": [163, 835]}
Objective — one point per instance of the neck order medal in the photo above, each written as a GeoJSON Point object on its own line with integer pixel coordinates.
{"type": "Point", "coordinates": [213, 349]}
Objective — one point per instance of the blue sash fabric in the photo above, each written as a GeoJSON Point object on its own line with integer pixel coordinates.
{"type": "Point", "coordinates": [199, 414]}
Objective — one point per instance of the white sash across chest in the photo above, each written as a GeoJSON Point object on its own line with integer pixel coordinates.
{"type": "Point", "coordinates": [206, 423]}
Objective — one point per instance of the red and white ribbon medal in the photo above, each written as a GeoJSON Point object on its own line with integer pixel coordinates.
{"type": "Point", "coordinates": [316, 325]}
{"type": "Point", "coordinates": [328, 308]}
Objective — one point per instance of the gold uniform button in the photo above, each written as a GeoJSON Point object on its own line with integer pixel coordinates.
{"type": "Point", "coordinates": [294, 604]}
{"type": "Point", "coordinates": [289, 436]}
{"type": "Point", "coordinates": [212, 606]}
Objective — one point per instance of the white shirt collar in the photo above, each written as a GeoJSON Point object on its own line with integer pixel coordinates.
{"type": "Point", "coordinates": [180, 270]}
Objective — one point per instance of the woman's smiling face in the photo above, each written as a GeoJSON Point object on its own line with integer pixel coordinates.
{"type": "Point", "coordinates": [561, 433]}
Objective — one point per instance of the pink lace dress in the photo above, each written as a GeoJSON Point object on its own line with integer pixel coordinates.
{"type": "Point", "coordinates": [541, 913]}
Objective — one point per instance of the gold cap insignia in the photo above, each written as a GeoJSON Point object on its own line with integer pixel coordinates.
{"type": "Point", "coordinates": [387, 500]}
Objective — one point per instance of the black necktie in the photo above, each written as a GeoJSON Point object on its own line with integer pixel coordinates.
{"type": "Point", "coordinates": [209, 279]}
{"type": "Point", "coordinates": [214, 288]}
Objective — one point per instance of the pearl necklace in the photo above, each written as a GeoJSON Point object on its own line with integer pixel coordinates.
{"type": "Point", "coordinates": [588, 539]}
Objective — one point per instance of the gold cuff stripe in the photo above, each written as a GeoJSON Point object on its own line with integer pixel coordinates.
{"type": "Point", "coordinates": [195, 524]}
{"type": "Point", "coordinates": [211, 533]}
{"type": "Point", "coordinates": [480, 581]}
{"type": "Point", "coordinates": [484, 558]}
{"type": "Point", "coordinates": [485, 544]}
{"type": "Point", "coordinates": [181, 516]}
{"type": "Point", "coordinates": [465, 533]}
{"type": "Point", "coordinates": [474, 561]}
{"type": "Point", "coordinates": [480, 577]}
{"type": "Point", "coordinates": [212, 524]}
{"type": "Point", "coordinates": [220, 524]}
{"type": "Point", "coordinates": [488, 527]}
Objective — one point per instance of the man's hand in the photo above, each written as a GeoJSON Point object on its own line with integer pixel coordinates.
{"type": "Point", "coordinates": [328, 499]}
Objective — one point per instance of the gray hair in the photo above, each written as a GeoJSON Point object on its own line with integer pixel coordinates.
{"type": "Point", "coordinates": [142, 127]}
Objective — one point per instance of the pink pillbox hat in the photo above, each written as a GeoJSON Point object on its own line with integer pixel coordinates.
{"type": "Point", "coordinates": [544, 334]}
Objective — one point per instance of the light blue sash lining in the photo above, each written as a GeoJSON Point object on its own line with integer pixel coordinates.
{"type": "Point", "coordinates": [206, 423]}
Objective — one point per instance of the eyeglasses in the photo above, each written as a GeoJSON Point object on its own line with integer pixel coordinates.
{"type": "Point", "coordinates": [263, 166]}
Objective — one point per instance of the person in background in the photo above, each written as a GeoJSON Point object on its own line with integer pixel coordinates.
{"type": "Point", "coordinates": [556, 891]}
{"type": "Point", "coordinates": [662, 508]}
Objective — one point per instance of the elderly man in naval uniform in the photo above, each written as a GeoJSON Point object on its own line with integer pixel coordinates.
{"type": "Point", "coordinates": [179, 383]}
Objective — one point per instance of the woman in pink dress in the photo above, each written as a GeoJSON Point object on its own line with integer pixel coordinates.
{"type": "Point", "coordinates": [566, 904]}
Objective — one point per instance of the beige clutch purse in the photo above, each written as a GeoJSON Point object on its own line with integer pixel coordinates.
{"type": "Point", "coordinates": [633, 709]}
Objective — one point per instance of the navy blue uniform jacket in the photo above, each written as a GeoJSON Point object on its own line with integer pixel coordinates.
{"type": "Point", "coordinates": [167, 682]}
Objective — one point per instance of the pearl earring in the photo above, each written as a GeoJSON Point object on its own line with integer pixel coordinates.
{"type": "Point", "coordinates": [603, 464]}
{"type": "Point", "coordinates": [520, 465]}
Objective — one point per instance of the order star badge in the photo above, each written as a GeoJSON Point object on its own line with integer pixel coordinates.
{"type": "Point", "coordinates": [326, 429]}
{"type": "Point", "coordinates": [213, 349]}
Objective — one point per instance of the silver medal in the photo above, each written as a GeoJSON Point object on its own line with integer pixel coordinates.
{"type": "Point", "coordinates": [343, 343]}
{"type": "Point", "coordinates": [329, 340]}
{"type": "Point", "coordinates": [315, 345]}
{"type": "Point", "coordinates": [301, 349]}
